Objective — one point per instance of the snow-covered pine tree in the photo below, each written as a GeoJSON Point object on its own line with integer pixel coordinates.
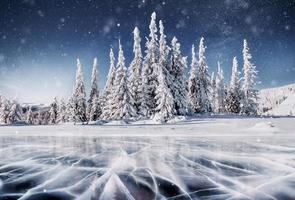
{"type": "Point", "coordinates": [15, 112]}
{"type": "Point", "coordinates": [46, 117]}
{"type": "Point", "coordinates": [220, 94]}
{"type": "Point", "coordinates": [4, 110]}
{"type": "Point", "coordinates": [53, 112]}
{"type": "Point", "coordinates": [164, 50]}
{"type": "Point", "coordinates": [122, 106]}
{"type": "Point", "coordinates": [249, 100]}
{"type": "Point", "coordinates": [134, 71]}
{"type": "Point", "coordinates": [192, 84]}
{"type": "Point", "coordinates": [94, 93]}
{"type": "Point", "coordinates": [70, 110]}
{"type": "Point", "coordinates": [39, 119]}
{"type": "Point", "coordinates": [78, 98]}
{"type": "Point", "coordinates": [1, 98]}
{"type": "Point", "coordinates": [165, 102]}
{"type": "Point", "coordinates": [178, 88]}
{"type": "Point", "coordinates": [149, 71]}
{"type": "Point", "coordinates": [62, 116]}
{"type": "Point", "coordinates": [30, 116]}
{"type": "Point", "coordinates": [203, 81]}
{"type": "Point", "coordinates": [94, 106]}
{"type": "Point", "coordinates": [108, 91]}
{"type": "Point", "coordinates": [213, 91]}
{"type": "Point", "coordinates": [233, 97]}
{"type": "Point", "coordinates": [95, 110]}
{"type": "Point", "coordinates": [164, 98]}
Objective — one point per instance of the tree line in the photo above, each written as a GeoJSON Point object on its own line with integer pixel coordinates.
{"type": "Point", "coordinates": [155, 85]}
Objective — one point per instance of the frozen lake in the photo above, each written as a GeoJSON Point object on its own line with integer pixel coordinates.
{"type": "Point", "coordinates": [195, 159]}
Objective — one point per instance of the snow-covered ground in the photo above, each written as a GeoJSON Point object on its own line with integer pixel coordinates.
{"type": "Point", "coordinates": [278, 101]}
{"type": "Point", "coordinates": [192, 159]}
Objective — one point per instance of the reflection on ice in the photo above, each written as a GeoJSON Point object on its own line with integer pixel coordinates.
{"type": "Point", "coordinates": [35, 167]}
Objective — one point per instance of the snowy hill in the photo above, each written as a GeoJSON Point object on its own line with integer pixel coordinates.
{"type": "Point", "coordinates": [278, 101]}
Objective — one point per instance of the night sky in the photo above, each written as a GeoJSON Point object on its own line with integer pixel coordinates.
{"type": "Point", "coordinates": [41, 39]}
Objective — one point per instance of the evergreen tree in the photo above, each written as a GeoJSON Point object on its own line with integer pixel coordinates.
{"type": "Point", "coordinates": [134, 73]}
{"type": "Point", "coordinates": [164, 97]}
{"type": "Point", "coordinates": [108, 92]}
{"type": "Point", "coordinates": [15, 113]}
{"type": "Point", "coordinates": [164, 50]}
{"type": "Point", "coordinates": [165, 102]}
{"type": "Point", "coordinates": [249, 99]}
{"type": "Point", "coordinates": [95, 110]}
{"type": "Point", "coordinates": [233, 97]}
{"type": "Point", "coordinates": [178, 86]}
{"type": "Point", "coordinates": [70, 110]}
{"type": "Point", "coordinates": [192, 84]}
{"type": "Point", "coordinates": [62, 116]}
{"type": "Point", "coordinates": [203, 82]}
{"type": "Point", "coordinates": [94, 93]}
{"type": "Point", "coordinates": [39, 119]}
{"type": "Point", "coordinates": [30, 116]}
{"type": "Point", "coordinates": [122, 106]}
{"type": "Point", "coordinates": [213, 91]}
{"type": "Point", "coordinates": [53, 112]}
{"type": "Point", "coordinates": [4, 110]}
{"type": "Point", "coordinates": [220, 94]}
{"type": "Point", "coordinates": [78, 99]}
{"type": "Point", "coordinates": [149, 71]}
{"type": "Point", "coordinates": [46, 117]}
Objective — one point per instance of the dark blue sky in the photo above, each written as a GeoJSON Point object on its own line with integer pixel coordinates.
{"type": "Point", "coordinates": [40, 39]}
